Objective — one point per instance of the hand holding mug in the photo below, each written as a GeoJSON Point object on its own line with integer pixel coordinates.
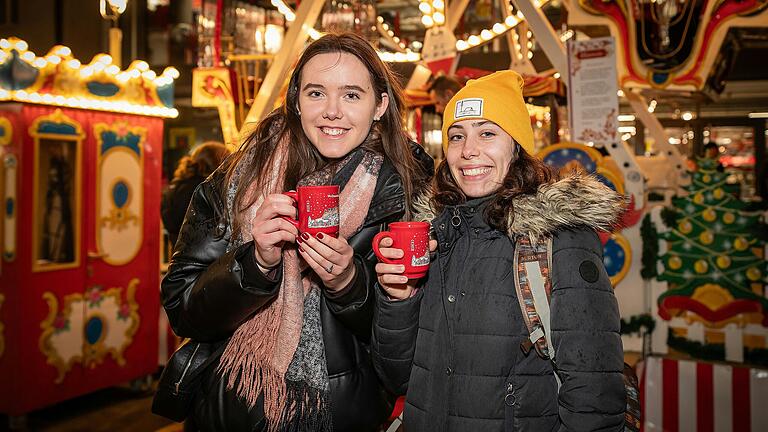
{"type": "Point", "coordinates": [404, 252]}
{"type": "Point", "coordinates": [270, 230]}
{"type": "Point", "coordinates": [317, 209]}
{"type": "Point", "coordinates": [332, 259]}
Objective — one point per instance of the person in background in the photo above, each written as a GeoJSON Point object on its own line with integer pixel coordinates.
{"type": "Point", "coordinates": [452, 342]}
{"type": "Point", "coordinates": [295, 311]}
{"type": "Point", "coordinates": [442, 89]}
{"type": "Point", "coordinates": [712, 151]}
{"type": "Point", "coordinates": [190, 172]}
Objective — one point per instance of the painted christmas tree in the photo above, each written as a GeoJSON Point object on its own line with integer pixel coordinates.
{"type": "Point", "coordinates": [714, 263]}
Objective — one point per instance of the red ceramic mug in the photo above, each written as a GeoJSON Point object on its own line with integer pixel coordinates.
{"type": "Point", "coordinates": [413, 239]}
{"type": "Point", "coordinates": [318, 209]}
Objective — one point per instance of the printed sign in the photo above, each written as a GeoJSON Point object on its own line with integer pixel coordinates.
{"type": "Point", "coordinates": [592, 101]}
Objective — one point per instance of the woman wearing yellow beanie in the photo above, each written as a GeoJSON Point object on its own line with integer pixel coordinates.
{"type": "Point", "coordinates": [451, 341]}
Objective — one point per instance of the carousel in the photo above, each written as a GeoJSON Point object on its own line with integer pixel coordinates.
{"type": "Point", "coordinates": [80, 157]}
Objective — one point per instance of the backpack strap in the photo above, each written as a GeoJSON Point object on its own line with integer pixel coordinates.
{"type": "Point", "coordinates": [532, 264]}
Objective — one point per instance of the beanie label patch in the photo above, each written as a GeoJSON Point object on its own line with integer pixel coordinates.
{"type": "Point", "coordinates": [471, 107]}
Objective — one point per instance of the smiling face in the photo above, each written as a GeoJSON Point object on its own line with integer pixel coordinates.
{"type": "Point", "coordinates": [479, 154]}
{"type": "Point", "coordinates": [337, 103]}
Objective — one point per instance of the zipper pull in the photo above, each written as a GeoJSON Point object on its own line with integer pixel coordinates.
{"type": "Point", "coordinates": [455, 219]}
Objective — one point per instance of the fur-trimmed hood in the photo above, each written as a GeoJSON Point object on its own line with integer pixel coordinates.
{"type": "Point", "coordinates": [572, 202]}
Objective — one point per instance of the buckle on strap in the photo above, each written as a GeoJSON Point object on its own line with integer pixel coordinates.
{"type": "Point", "coordinates": [535, 335]}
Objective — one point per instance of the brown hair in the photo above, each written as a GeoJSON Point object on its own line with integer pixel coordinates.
{"type": "Point", "coordinates": [443, 83]}
{"type": "Point", "coordinates": [526, 174]}
{"type": "Point", "coordinates": [387, 136]}
{"type": "Point", "coordinates": [204, 160]}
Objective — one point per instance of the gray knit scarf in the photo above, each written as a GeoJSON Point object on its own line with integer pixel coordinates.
{"type": "Point", "coordinates": [279, 351]}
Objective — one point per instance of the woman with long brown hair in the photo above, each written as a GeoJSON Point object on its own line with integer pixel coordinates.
{"type": "Point", "coordinates": [293, 312]}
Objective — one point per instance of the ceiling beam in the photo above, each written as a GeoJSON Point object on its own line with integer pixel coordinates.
{"type": "Point", "coordinates": [546, 36]}
{"type": "Point", "coordinates": [455, 11]}
{"type": "Point", "coordinates": [293, 44]}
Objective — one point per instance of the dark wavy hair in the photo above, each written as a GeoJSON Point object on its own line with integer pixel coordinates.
{"type": "Point", "coordinates": [526, 174]}
{"type": "Point", "coordinates": [204, 160]}
{"type": "Point", "coordinates": [387, 136]}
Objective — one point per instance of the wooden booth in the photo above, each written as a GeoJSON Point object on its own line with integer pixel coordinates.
{"type": "Point", "coordinates": [80, 168]}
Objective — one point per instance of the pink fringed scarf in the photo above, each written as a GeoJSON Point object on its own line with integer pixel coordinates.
{"type": "Point", "coordinates": [279, 351]}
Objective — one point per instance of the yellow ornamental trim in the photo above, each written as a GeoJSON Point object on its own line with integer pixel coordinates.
{"type": "Point", "coordinates": [59, 79]}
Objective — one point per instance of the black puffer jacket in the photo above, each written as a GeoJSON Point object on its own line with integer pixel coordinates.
{"type": "Point", "coordinates": [455, 346]}
{"type": "Point", "coordinates": [208, 293]}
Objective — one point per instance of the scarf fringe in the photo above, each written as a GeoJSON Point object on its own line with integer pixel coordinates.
{"type": "Point", "coordinates": [243, 359]}
{"type": "Point", "coordinates": [306, 410]}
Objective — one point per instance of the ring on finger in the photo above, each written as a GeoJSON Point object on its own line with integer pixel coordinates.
{"type": "Point", "coordinates": [330, 268]}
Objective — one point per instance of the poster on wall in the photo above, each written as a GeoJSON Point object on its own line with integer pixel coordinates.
{"type": "Point", "coordinates": [592, 100]}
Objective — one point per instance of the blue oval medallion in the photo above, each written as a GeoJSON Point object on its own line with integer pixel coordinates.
{"type": "Point", "coordinates": [120, 194]}
{"type": "Point", "coordinates": [9, 207]}
{"type": "Point", "coordinates": [93, 330]}
{"type": "Point", "coordinates": [614, 257]}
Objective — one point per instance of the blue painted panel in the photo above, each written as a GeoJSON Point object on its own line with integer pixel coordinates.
{"type": "Point", "coordinates": [93, 330]}
{"type": "Point", "coordinates": [660, 78]}
{"type": "Point", "coordinates": [6, 76]}
{"type": "Point", "coordinates": [111, 140]}
{"type": "Point", "coordinates": [23, 74]}
{"type": "Point", "coordinates": [50, 127]}
{"type": "Point", "coordinates": [120, 194]}
{"type": "Point", "coordinates": [102, 89]}
{"type": "Point", "coordinates": [165, 93]}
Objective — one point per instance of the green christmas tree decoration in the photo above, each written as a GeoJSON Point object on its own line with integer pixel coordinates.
{"type": "Point", "coordinates": [711, 243]}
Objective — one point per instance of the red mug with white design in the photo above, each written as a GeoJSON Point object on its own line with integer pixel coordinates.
{"type": "Point", "coordinates": [318, 209]}
{"type": "Point", "coordinates": [413, 239]}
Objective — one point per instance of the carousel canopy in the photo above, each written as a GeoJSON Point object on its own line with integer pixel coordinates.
{"type": "Point", "coordinates": [60, 79]}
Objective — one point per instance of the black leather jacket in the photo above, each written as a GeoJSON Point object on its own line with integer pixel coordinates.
{"type": "Point", "coordinates": [208, 293]}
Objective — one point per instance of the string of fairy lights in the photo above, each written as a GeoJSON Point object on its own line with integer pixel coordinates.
{"type": "Point", "coordinates": [433, 14]}
{"type": "Point", "coordinates": [60, 57]}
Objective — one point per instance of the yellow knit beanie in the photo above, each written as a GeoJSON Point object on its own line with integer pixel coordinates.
{"type": "Point", "coordinates": [497, 97]}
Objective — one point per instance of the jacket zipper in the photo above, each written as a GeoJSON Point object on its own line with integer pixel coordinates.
{"type": "Point", "coordinates": [186, 368]}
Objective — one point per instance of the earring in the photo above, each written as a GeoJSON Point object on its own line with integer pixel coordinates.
{"type": "Point", "coordinates": [375, 119]}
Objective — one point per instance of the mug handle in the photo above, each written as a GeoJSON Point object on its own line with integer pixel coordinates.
{"type": "Point", "coordinates": [375, 244]}
{"type": "Point", "coordinates": [293, 195]}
